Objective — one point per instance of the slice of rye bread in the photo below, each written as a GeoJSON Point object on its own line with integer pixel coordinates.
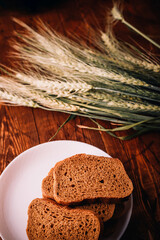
{"type": "Point", "coordinates": [85, 176]}
{"type": "Point", "coordinates": [47, 185]}
{"type": "Point", "coordinates": [48, 220]}
{"type": "Point", "coordinates": [102, 209]}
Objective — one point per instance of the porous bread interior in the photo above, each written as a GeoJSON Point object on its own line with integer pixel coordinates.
{"type": "Point", "coordinates": [85, 176]}
{"type": "Point", "coordinates": [47, 187]}
{"type": "Point", "coordinates": [48, 220]}
{"type": "Point", "coordinates": [102, 209]}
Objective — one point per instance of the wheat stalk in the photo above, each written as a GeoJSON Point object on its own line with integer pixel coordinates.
{"type": "Point", "coordinates": [57, 87]}
{"type": "Point", "coordinates": [115, 102]}
{"type": "Point", "coordinates": [113, 83]}
{"type": "Point", "coordinates": [7, 97]}
{"type": "Point", "coordinates": [117, 51]}
{"type": "Point", "coordinates": [16, 93]}
{"type": "Point", "coordinates": [118, 16]}
{"type": "Point", "coordinates": [51, 54]}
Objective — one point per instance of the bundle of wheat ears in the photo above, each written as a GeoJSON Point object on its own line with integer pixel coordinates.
{"type": "Point", "coordinates": [114, 81]}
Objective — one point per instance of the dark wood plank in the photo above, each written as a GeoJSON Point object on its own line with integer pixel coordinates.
{"type": "Point", "coordinates": [18, 133]}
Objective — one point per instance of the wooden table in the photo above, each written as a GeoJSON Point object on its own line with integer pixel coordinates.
{"type": "Point", "coordinates": [22, 127]}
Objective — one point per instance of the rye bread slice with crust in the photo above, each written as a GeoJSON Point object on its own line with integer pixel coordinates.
{"type": "Point", "coordinates": [102, 209]}
{"type": "Point", "coordinates": [48, 220]}
{"type": "Point", "coordinates": [85, 176]}
{"type": "Point", "coordinates": [47, 185]}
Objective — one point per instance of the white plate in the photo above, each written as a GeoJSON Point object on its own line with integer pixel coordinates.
{"type": "Point", "coordinates": [21, 181]}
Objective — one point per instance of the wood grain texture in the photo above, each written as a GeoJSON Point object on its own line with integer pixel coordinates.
{"type": "Point", "coordinates": [22, 128]}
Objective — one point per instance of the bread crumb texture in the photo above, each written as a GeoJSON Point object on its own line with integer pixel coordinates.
{"type": "Point", "coordinates": [47, 186]}
{"type": "Point", "coordinates": [102, 209]}
{"type": "Point", "coordinates": [85, 176]}
{"type": "Point", "coordinates": [48, 220]}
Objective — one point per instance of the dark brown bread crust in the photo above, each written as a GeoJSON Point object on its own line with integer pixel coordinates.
{"type": "Point", "coordinates": [48, 220]}
{"type": "Point", "coordinates": [85, 176]}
